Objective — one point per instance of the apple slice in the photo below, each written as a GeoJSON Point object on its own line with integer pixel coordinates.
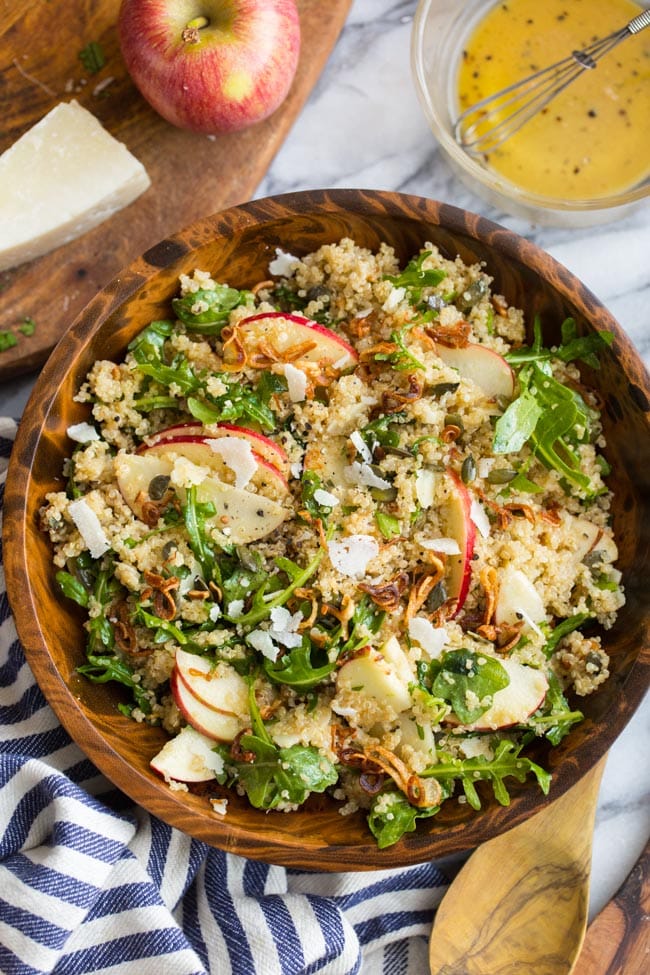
{"type": "Point", "coordinates": [371, 675]}
{"type": "Point", "coordinates": [312, 342]}
{"type": "Point", "coordinates": [204, 451]}
{"type": "Point", "coordinates": [457, 524]}
{"type": "Point", "coordinates": [218, 687]}
{"type": "Point", "coordinates": [214, 724]}
{"type": "Point", "coordinates": [482, 366]}
{"type": "Point", "coordinates": [240, 516]}
{"type": "Point", "coordinates": [328, 459]}
{"type": "Point", "coordinates": [516, 702]}
{"type": "Point", "coordinates": [518, 598]}
{"type": "Point", "coordinates": [263, 446]}
{"type": "Point", "coordinates": [188, 757]}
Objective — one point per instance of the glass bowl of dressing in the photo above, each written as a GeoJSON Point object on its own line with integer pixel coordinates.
{"type": "Point", "coordinates": [586, 158]}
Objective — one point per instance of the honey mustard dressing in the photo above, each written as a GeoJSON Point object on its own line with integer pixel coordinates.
{"type": "Point", "coordinates": [593, 140]}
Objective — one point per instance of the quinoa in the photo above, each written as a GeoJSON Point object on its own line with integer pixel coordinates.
{"type": "Point", "coordinates": [324, 530]}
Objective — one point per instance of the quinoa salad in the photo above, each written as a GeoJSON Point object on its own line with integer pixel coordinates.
{"type": "Point", "coordinates": [344, 534]}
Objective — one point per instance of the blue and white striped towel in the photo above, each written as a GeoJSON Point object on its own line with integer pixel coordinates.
{"type": "Point", "coordinates": [90, 882]}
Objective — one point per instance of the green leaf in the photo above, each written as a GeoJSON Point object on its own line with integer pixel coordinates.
{"type": "Point", "coordinates": [209, 320]}
{"type": "Point", "coordinates": [507, 762]}
{"type": "Point", "coordinates": [391, 816]}
{"type": "Point", "coordinates": [261, 607]}
{"type": "Point", "coordinates": [92, 57]}
{"type": "Point", "coordinates": [101, 669]}
{"type": "Point", "coordinates": [296, 668]}
{"type": "Point", "coordinates": [563, 629]}
{"type": "Point", "coordinates": [388, 525]}
{"type": "Point", "coordinates": [555, 716]}
{"type": "Point", "coordinates": [415, 278]}
{"type": "Point", "coordinates": [7, 341]}
{"type": "Point", "coordinates": [199, 541]}
{"type": "Point", "coordinates": [28, 326]}
{"type": "Point", "coordinates": [517, 424]}
{"type": "Point", "coordinates": [73, 588]}
{"type": "Point", "coordinates": [468, 681]}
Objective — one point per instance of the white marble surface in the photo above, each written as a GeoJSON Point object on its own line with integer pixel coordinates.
{"type": "Point", "coordinates": [362, 127]}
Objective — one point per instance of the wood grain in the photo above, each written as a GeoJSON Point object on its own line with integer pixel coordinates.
{"type": "Point", "coordinates": [618, 939]}
{"type": "Point", "coordinates": [520, 902]}
{"type": "Point", "coordinates": [237, 244]}
{"type": "Point", "coordinates": [192, 175]}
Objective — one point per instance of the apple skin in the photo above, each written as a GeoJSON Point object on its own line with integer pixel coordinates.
{"type": "Point", "coordinates": [211, 66]}
{"type": "Point", "coordinates": [459, 525]}
{"type": "Point", "coordinates": [285, 330]}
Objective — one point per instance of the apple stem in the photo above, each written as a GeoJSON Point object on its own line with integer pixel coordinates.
{"type": "Point", "coordinates": [191, 33]}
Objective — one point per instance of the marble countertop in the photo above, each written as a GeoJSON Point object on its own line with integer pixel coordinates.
{"type": "Point", "coordinates": [363, 127]}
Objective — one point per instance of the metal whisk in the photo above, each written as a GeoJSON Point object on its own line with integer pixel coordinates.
{"type": "Point", "coordinates": [487, 124]}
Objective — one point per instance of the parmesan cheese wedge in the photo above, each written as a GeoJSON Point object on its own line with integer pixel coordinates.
{"type": "Point", "coordinates": [62, 177]}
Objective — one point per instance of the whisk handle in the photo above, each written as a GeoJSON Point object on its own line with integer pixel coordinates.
{"type": "Point", "coordinates": [639, 23]}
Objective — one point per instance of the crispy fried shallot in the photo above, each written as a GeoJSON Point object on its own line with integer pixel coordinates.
{"type": "Point", "coordinates": [387, 595]}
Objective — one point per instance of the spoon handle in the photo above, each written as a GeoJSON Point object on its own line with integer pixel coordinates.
{"type": "Point", "coordinates": [618, 940]}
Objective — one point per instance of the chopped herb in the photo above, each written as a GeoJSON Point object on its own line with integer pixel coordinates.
{"type": "Point", "coordinates": [28, 327]}
{"type": "Point", "coordinates": [92, 57]}
{"type": "Point", "coordinates": [7, 341]}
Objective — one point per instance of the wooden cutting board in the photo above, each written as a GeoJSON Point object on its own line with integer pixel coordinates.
{"type": "Point", "coordinates": [618, 939]}
{"type": "Point", "coordinates": [191, 175]}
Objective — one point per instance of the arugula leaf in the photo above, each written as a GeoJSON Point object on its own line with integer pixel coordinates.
{"type": "Point", "coordinates": [401, 358]}
{"type": "Point", "coordinates": [238, 402]}
{"type": "Point", "coordinates": [517, 424]}
{"type": "Point", "coordinates": [310, 482]}
{"type": "Point", "coordinates": [468, 681]}
{"type": "Point", "coordinates": [507, 761]}
{"type": "Point", "coordinates": [218, 301]}
{"type": "Point", "coordinates": [556, 715]}
{"type": "Point", "coordinates": [165, 630]}
{"type": "Point", "coordinates": [380, 432]}
{"type": "Point", "coordinates": [198, 538]}
{"type": "Point", "coordinates": [296, 668]}
{"type": "Point", "coordinates": [562, 629]}
{"type": "Point", "coordinates": [415, 278]}
{"type": "Point", "coordinates": [261, 607]}
{"type": "Point", "coordinates": [278, 776]}
{"type": "Point", "coordinates": [148, 349]}
{"type": "Point", "coordinates": [550, 417]}
{"type": "Point", "coordinates": [573, 347]}
{"type": "Point", "coordinates": [391, 816]}
{"type": "Point", "coordinates": [73, 588]}
{"type": "Point", "coordinates": [103, 668]}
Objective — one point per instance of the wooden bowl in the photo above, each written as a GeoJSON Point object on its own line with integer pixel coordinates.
{"type": "Point", "coordinates": [236, 246]}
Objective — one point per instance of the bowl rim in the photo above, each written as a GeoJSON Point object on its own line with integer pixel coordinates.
{"type": "Point", "coordinates": [414, 847]}
{"type": "Point", "coordinates": [489, 178]}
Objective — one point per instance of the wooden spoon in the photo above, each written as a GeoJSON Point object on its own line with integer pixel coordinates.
{"type": "Point", "coordinates": [521, 901]}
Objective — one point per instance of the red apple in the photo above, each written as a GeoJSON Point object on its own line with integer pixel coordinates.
{"type": "Point", "coordinates": [264, 447]}
{"type": "Point", "coordinates": [482, 366]}
{"type": "Point", "coordinates": [211, 65]}
{"type": "Point", "coordinates": [284, 332]}
{"type": "Point", "coordinates": [458, 524]}
{"type": "Point", "coordinates": [266, 478]}
{"type": "Point", "coordinates": [514, 703]}
{"type": "Point", "coordinates": [222, 689]}
{"type": "Point", "coordinates": [213, 724]}
{"type": "Point", "coordinates": [188, 757]}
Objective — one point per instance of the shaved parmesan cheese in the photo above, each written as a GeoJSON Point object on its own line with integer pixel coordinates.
{"type": "Point", "coordinates": [89, 527]}
{"type": "Point", "coordinates": [238, 455]}
{"type": "Point", "coordinates": [351, 555]}
{"type": "Point", "coordinates": [219, 806]}
{"type": "Point", "coordinates": [185, 474]}
{"type": "Point", "coordinates": [296, 469]}
{"type": "Point", "coordinates": [431, 638]}
{"type": "Point", "coordinates": [82, 432]}
{"type": "Point", "coordinates": [325, 498]}
{"type": "Point", "coordinates": [283, 264]}
{"type": "Point", "coordinates": [261, 640]}
{"type": "Point", "coordinates": [395, 298]}
{"type": "Point", "coordinates": [425, 486]}
{"type": "Point", "coordinates": [215, 613]}
{"type": "Point", "coordinates": [363, 474]}
{"type": "Point", "coordinates": [284, 628]}
{"type": "Point", "coordinates": [63, 177]}
{"type": "Point", "coordinates": [448, 546]}
{"type": "Point", "coordinates": [296, 382]}
{"type": "Point", "coordinates": [362, 447]}
{"type": "Point", "coordinates": [479, 517]}
{"type": "Point", "coordinates": [235, 608]}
